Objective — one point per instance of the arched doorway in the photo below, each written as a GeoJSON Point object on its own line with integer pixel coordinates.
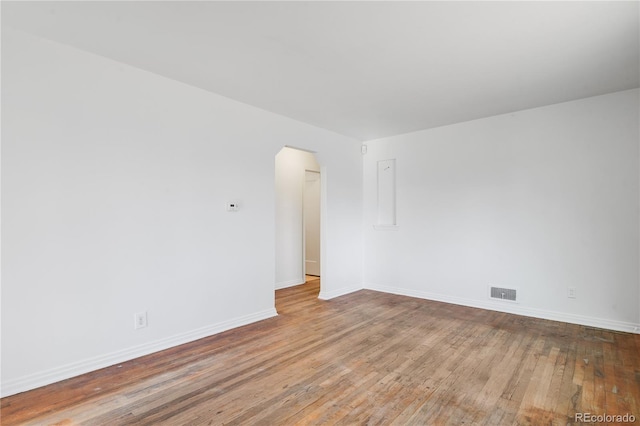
{"type": "Point", "coordinates": [297, 205]}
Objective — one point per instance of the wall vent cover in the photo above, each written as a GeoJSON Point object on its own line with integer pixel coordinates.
{"type": "Point", "coordinates": [503, 293]}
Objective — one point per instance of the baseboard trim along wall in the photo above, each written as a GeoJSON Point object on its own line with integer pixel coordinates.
{"type": "Point", "coordinates": [326, 295]}
{"type": "Point", "coordinates": [289, 283]}
{"type": "Point", "coordinates": [512, 309]}
{"type": "Point", "coordinates": [47, 377]}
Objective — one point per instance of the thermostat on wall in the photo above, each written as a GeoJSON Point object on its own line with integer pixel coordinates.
{"type": "Point", "coordinates": [232, 206]}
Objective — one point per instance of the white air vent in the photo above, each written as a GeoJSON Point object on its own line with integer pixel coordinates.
{"type": "Point", "coordinates": [503, 293]}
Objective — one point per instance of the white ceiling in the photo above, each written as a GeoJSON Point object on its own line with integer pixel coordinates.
{"type": "Point", "coordinates": [362, 69]}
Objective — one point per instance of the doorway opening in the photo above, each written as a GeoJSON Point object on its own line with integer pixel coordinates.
{"type": "Point", "coordinates": [298, 217]}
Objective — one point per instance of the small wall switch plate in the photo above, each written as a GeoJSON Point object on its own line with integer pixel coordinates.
{"type": "Point", "coordinates": [140, 320]}
{"type": "Point", "coordinates": [571, 292]}
{"type": "Point", "coordinates": [232, 206]}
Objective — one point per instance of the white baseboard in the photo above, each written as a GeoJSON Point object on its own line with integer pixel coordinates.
{"type": "Point", "coordinates": [512, 309]}
{"type": "Point", "coordinates": [289, 283]}
{"type": "Point", "coordinates": [36, 380]}
{"type": "Point", "coordinates": [326, 295]}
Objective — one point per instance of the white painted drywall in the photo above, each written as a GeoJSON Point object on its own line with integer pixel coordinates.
{"type": "Point", "coordinates": [341, 221]}
{"type": "Point", "coordinates": [290, 179]}
{"type": "Point", "coordinates": [114, 183]}
{"type": "Point", "coordinates": [540, 200]}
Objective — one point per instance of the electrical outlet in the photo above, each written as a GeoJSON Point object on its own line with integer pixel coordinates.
{"type": "Point", "coordinates": [140, 320]}
{"type": "Point", "coordinates": [571, 292]}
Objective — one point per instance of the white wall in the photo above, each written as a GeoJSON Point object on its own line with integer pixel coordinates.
{"type": "Point", "coordinates": [290, 178]}
{"type": "Point", "coordinates": [540, 200]}
{"type": "Point", "coordinates": [114, 182]}
{"type": "Point", "coordinates": [341, 254]}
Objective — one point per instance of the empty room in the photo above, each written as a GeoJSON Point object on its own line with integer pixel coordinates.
{"type": "Point", "coordinates": [320, 213]}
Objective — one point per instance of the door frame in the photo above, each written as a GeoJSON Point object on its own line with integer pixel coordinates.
{"type": "Point", "coordinates": [304, 223]}
{"type": "Point", "coordinates": [287, 282]}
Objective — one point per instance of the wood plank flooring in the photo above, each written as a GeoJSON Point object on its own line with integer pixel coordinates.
{"type": "Point", "coordinates": [364, 358]}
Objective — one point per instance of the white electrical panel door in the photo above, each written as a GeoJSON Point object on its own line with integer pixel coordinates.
{"type": "Point", "coordinates": [387, 192]}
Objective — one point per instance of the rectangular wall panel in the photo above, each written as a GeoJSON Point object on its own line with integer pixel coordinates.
{"type": "Point", "coordinates": [387, 192]}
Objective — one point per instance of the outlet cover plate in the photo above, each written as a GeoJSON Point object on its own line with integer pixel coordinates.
{"type": "Point", "coordinates": [140, 320]}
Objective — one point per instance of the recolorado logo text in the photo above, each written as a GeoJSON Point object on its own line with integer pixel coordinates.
{"type": "Point", "coordinates": [602, 418]}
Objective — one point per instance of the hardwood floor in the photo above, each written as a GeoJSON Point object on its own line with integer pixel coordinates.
{"type": "Point", "coordinates": [364, 358]}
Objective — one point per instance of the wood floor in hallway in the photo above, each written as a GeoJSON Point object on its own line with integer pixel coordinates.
{"type": "Point", "coordinates": [364, 358]}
